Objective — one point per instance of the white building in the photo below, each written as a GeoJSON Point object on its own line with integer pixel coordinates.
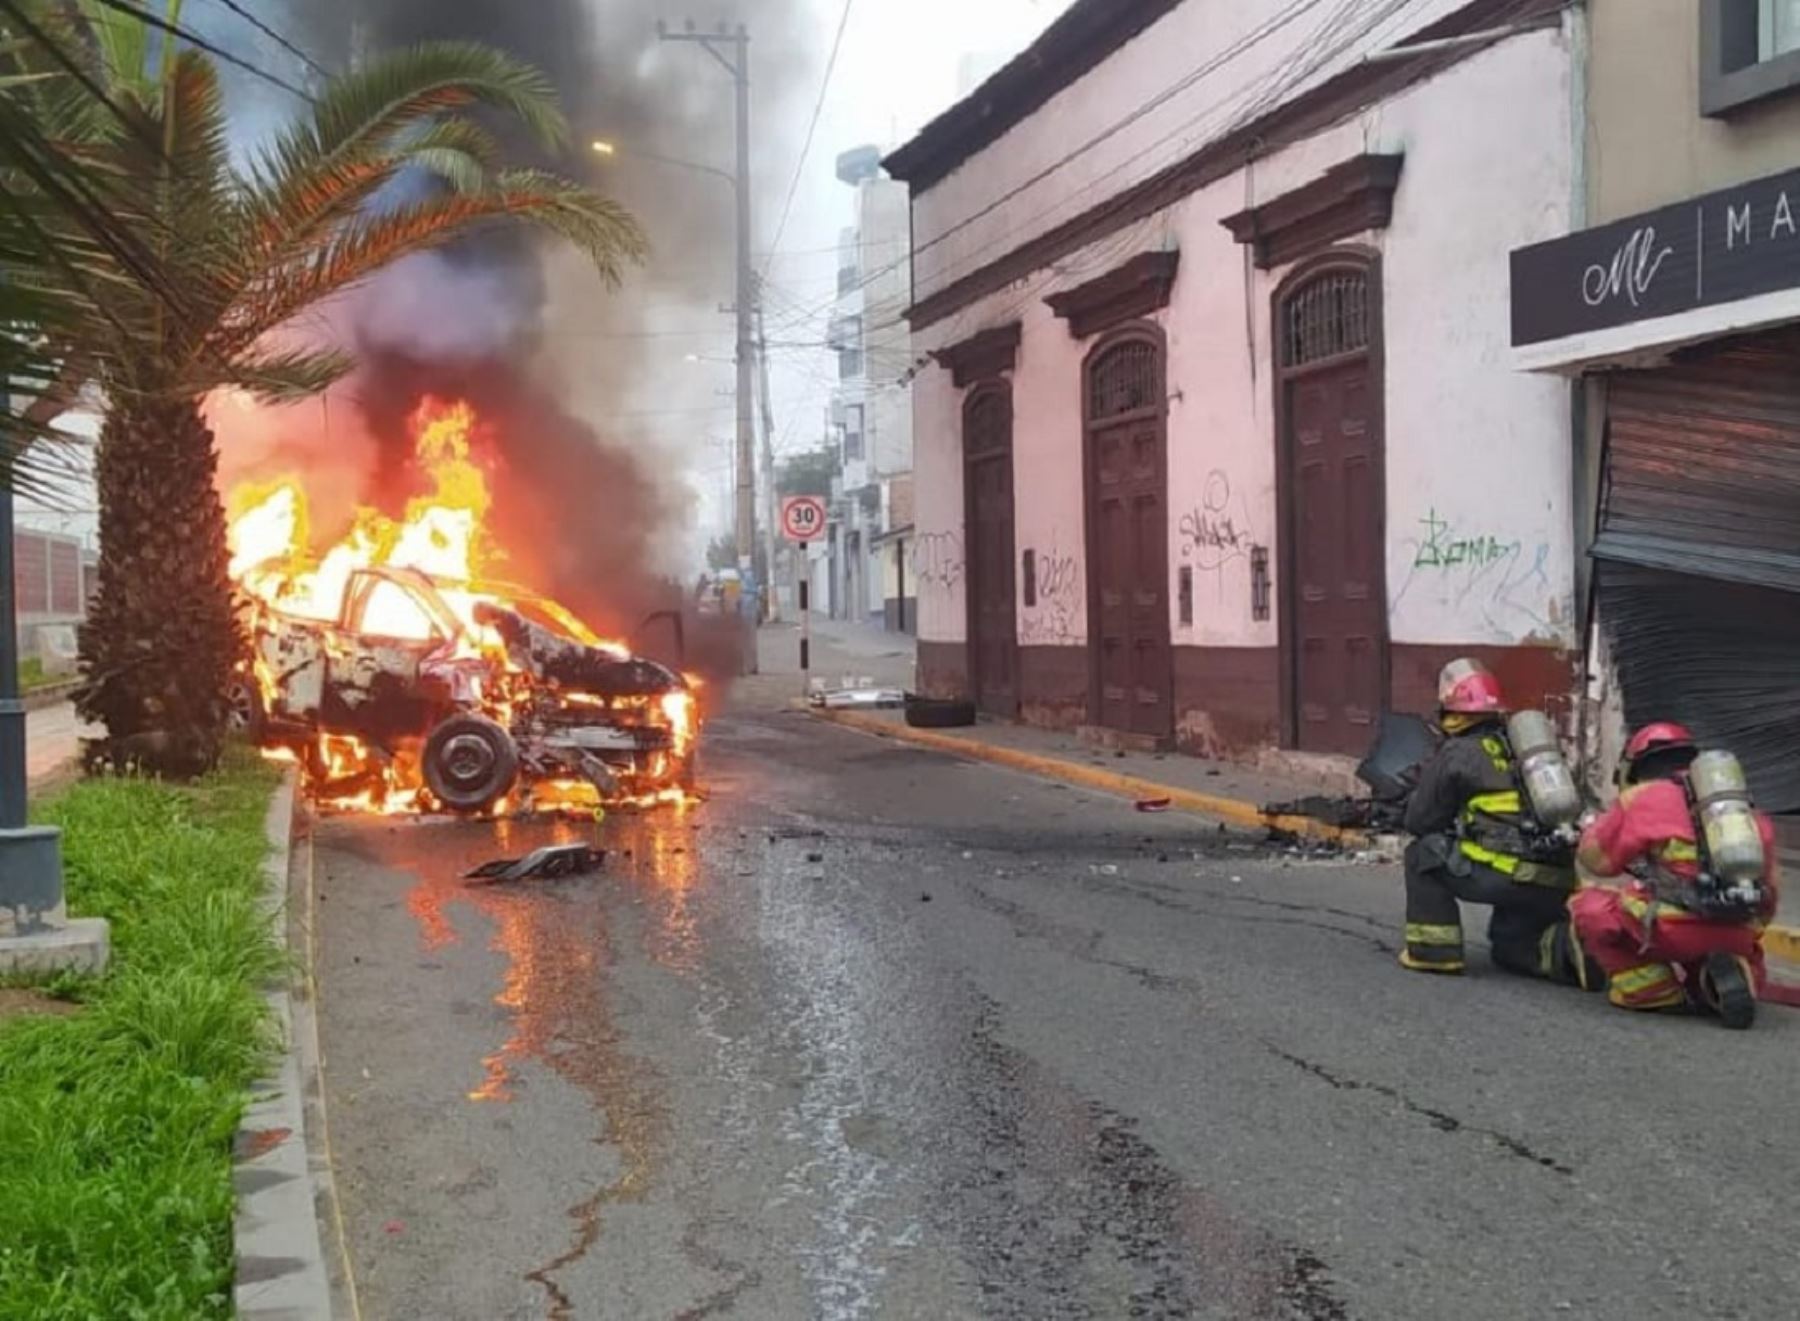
{"type": "Point", "coordinates": [1224, 447]}
{"type": "Point", "coordinates": [871, 408]}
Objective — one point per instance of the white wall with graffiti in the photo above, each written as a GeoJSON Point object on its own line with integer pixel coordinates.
{"type": "Point", "coordinates": [939, 567]}
{"type": "Point", "coordinates": [1479, 543]}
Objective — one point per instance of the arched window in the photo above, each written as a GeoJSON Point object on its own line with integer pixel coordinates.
{"type": "Point", "coordinates": [1326, 317]}
{"type": "Point", "coordinates": [1125, 379]}
{"type": "Point", "coordinates": [987, 421]}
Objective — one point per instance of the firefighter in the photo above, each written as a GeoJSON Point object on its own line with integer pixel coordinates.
{"type": "Point", "coordinates": [1662, 940]}
{"type": "Point", "coordinates": [1474, 842]}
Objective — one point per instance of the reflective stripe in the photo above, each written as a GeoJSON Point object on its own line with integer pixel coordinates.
{"type": "Point", "coordinates": [1641, 908]}
{"type": "Point", "coordinates": [1649, 986]}
{"type": "Point", "coordinates": [1425, 933]}
{"type": "Point", "coordinates": [1506, 802]}
{"type": "Point", "coordinates": [1679, 851]}
{"type": "Point", "coordinates": [1496, 751]}
{"type": "Point", "coordinates": [1504, 863]}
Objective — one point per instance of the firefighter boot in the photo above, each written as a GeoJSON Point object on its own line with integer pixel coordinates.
{"type": "Point", "coordinates": [1725, 989]}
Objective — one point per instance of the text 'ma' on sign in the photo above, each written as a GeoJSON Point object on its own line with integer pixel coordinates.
{"type": "Point", "coordinates": [1733, 244]}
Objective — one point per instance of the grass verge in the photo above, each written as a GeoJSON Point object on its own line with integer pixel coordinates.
{"type": "Point", "coordinates": [116, 1122]}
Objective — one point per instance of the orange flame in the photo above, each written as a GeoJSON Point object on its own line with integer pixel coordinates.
{"type": "Point", "coordinates": [442, 534]}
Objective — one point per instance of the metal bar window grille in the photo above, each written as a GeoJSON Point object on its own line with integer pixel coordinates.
{"type": "Point", "coordinates": [1125, 380]}
{"type": "Point", "coordinates": [1326, 318]}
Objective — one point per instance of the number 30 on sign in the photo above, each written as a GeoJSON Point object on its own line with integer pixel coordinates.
{"type": "Point", "coordinates": [803, 518]}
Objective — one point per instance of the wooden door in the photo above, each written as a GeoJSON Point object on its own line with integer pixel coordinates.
{"type": "Point", "coordinates": [1131, 663]}
{"type": "Point", "coordinates": [1336, 608]}
{"type": "Point", "coordinates": [993, 617]}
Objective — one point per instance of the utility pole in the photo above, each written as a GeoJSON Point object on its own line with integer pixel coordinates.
{"type": "Point", "coordinates": [731, 48]}
{"type": "Point", "coordinates": [771, 497]}
{"type": "Point", "coordinates": [36, 934]}
{"type": "Point", "coordinates": [12, 705]}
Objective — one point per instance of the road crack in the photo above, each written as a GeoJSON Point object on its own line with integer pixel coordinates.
{"type": "Point", "coordinates": [1438, 1119]}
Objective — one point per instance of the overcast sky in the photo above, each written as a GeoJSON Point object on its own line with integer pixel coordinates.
{"type": "Point", "coordinates": [898, 69]}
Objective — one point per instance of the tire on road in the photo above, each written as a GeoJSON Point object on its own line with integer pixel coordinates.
{"type": "Point", "coordinates": [939, 712]}
{"type": "Point", "coordinates": [245, 713]}
{"type": "Point", "coordinates": [470, 763]}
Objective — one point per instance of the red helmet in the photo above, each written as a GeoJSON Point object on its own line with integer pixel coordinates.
{"type": "Point", "coordinates": [1664, 736]}
{"type": "Point", "coordinates": [1467, 687]}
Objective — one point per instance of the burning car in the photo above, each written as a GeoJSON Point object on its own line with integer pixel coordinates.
{"type": "Point", "coordinates": [403, 681]}
{"type": "Point", "coordinates": [400, 695]}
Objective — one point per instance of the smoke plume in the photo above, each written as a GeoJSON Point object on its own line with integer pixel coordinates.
{"type": "Point", "coordinates": [597, 421]}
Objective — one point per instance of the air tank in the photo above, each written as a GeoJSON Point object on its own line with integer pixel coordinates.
{"type": "Point", "coordinates": [1727, 820]}
{"type": "Point", "coordinates": [1549, 783]}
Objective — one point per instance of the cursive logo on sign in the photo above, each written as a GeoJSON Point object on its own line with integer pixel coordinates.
{"type": "Point", "coordinates": [1630, 274]}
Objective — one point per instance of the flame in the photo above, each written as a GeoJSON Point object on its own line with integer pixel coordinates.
{"type": "Point", "coordinates": [442, 535]}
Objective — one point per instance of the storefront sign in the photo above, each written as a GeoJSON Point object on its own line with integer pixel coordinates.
{"type": "Point", "coordinates": [1729, 245]}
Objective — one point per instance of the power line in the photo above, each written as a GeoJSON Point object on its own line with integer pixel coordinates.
{"type": "Point", "coordinates": [276, 37]}
{"type": "Point", "coordinates": [812, 128]}
{"type": "Point", "coordinates": [201, 43]}
{"type": "Point", "coordinates": [1230, 53]}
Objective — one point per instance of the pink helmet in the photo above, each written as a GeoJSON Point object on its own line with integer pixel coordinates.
{"type": "Point", "coordinates": [1664, 736]}
{"type": "Point", "coordinates": [1467, 687]}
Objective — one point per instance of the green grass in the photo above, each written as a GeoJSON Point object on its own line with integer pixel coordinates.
{"type": "Point", "coordinates": [116, 1123]}
{"type": "Point", "coordinates": [33, 677]}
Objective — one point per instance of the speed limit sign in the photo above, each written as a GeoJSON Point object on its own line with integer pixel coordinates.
{"type": "Point", "coordinates": [802, 518]}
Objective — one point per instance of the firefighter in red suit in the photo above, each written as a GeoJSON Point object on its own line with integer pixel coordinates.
{"type": "Point", "coordinates": [1658, 952]}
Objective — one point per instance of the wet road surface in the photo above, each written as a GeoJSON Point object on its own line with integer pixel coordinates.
{"type": "Point", "coordinates": [877, 1033]}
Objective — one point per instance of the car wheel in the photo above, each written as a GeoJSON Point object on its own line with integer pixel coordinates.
{"type": "Point", "coordinates": [470, 763]}
{"type": "Point", "coordinates": [245, 714]}
{"type": "Point", "coordinates": [939, 713]}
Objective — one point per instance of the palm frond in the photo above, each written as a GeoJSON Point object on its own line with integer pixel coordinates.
{"type": "Point", "coordinates": [601, 228]}
{"type": "Point", "coordinates": [283, 376]}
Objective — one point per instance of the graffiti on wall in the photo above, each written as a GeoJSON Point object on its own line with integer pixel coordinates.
{"type": "Point", "coordinates": [1490, 572]}
{"type": "Point", "coordinates": [1218, 532]}
{"type": "Point", "coordinates": [1060, 596]}
{"type": "Point", "coordinates": [937, 561]}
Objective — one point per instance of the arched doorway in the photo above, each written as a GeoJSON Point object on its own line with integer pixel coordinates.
{"type": "Point", "coordinates": [1131, 668]}
{"type": "Point", "coordinates": [988, 488]}
{"type": "Point", "coordinates": [1333, 496]}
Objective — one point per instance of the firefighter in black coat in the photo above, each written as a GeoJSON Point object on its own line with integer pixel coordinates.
{"type": "Point", "coordinates": [1471, 843]}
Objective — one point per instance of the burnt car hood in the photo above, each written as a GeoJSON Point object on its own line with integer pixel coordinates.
{"type": "Point", "coordinates": [571, 664]}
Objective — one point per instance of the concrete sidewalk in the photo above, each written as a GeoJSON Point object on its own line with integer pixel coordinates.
{"type": "Point", "coordinates": [1223, 790]}
{"type": "Point", "coordinates": [52, 740]}
{"type": "Point", "coordinates": [840, 651]}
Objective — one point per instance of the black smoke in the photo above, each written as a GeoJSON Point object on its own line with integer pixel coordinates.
{"type": "Point", "coordinates": [585, 390]}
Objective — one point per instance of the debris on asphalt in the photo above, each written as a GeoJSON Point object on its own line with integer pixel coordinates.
{"type": "Point", "coordinates": [853, 694]}
{"type": "Point", "coordinates": [551, 862]}
{"type": "Point", "coordinates": [924, 898]}
{"type": "Point", "coordinates": [1155, 804]}
{"type": "Point", "coordinates": [815, 857]}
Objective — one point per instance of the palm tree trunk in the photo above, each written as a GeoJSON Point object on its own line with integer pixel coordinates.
{"type": "Point", "coordinates": [162, 637]}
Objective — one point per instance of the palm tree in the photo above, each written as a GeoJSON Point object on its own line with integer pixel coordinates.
{"type": "Point", "coordinates": [249, 251]}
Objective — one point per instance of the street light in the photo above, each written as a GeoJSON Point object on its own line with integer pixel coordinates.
{"type": "Point", "coordinates": [610, 149]}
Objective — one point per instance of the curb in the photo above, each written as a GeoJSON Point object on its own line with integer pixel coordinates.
{"type": "Point", "coordinates": [1782, 943]}
{"type": "Point", "coordinates": [280, 1263]}
{"type": "Point", "coordinates": [50, 694]}
{"type": "Point", "coordinates": [1234, 811]}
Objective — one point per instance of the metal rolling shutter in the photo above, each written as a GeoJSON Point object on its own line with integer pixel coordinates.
{"type": "Point", "coordinates": [1699, 551]}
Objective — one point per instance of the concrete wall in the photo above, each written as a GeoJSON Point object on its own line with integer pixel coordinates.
{"type": "Point", "coordinates": [997, 199]}
{"type": "Point", "coordinates": [1647, 142]}
{"type": "Point", "coordinates": [1476, 452]}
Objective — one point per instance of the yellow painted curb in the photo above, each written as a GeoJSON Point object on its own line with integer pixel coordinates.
{"type": "Point", "coordinates": [1782, 943]}
{"type": "Point", "coordinates": [1232, 810]}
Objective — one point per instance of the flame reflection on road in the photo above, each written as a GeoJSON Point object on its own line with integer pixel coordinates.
{"type": "Point", "coordinates": [557, 939]}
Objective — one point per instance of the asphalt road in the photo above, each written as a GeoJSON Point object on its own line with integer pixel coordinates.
{"type": "Point", "coordinates": [877, 1033]}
